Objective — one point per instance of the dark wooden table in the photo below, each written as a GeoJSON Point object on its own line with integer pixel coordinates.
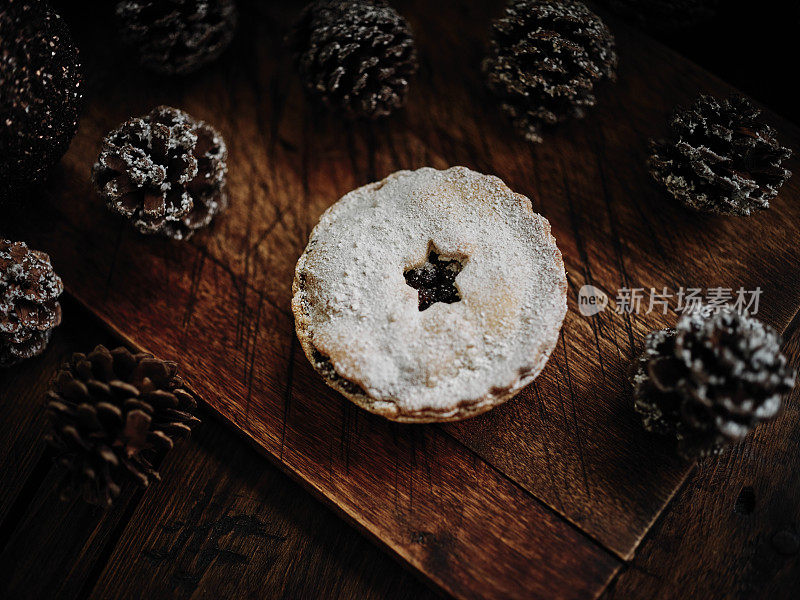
{"type": "Point", "coordinates": [225, 523]}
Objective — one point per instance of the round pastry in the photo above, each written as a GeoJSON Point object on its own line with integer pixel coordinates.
{"type": "Point", "coordinates": [431, 295]}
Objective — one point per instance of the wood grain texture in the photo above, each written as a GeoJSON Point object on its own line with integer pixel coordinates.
{"type": "Point", "coordinates": [55, 545]}
{"type": "Point", "coordinates": [466, 504]}
{"type": "Point", "coordinates": [225, 525]}
{"type": "Point", "coordinates": [21, 409]}
{"type": "Point", "coordinates": [221, 524]}
{"type": "Point", "coordinates": [733, 531]}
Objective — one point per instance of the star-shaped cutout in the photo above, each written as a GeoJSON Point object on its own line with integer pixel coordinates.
{"type": "Point", "coordinates": [435, 280]}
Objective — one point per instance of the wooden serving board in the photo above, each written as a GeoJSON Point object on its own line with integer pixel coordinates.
{"type": "Point", "coordinates": [544, 496]}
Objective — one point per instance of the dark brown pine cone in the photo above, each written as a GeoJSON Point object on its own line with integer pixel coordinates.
{"type": "Point", "coordinates": [721, 158]}
{"type": "Point", "coordinates": [545, 59]}
{"type": "Point", "coordinates": [356, 57]}
{"type": "Point", "coordinates": [665, 15]}
{"type": "Point", "coordinates": [177, 36]}
{"type": "Point", "coordinates": [710, 380]}
{"type": "Point", "coordinates": [40, 92]}
{"type": "Point", "coordinates": [165, 172]}
{"type": "Point", "coordinates": [29, 308]}
{"type": "Point", "coordinates": [114, 414]}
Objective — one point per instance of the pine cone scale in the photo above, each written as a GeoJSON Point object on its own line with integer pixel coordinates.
{"type": "Point", "coordinates": [109, 415]}
{"type": "Point", "coordinates": [160, 440]}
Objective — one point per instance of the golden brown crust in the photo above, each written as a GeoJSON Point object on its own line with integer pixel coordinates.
{"type": "Point", "coordinates": [520, 321]}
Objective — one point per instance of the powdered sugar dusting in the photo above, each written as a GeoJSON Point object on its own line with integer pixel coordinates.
{"type": "Point", "coordinates": [353, 305]}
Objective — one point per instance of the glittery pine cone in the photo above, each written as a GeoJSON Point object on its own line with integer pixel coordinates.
{"type": "Point", "coordinates": [165, 172]}
{"type": "Point", "coordinates": [40, 92]}
{"type": "Point", "coordinates": [545, 61]}
{"type": "Point", "coordinates": [177, 36]}
{"type": "Point", "coordinates": [29, 308]}
{"type": "Point", "coordinates": [721, 158]}
{"type": "Point", "coordinates": [710, 380]}
{"type": "Point", "coordinates": [356, 57]}
{"type": "Point", "coordinates": [114, 414]}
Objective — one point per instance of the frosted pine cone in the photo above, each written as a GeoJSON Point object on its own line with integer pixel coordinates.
{"type": "Point", "coordinates": [356, 57]}
{"type": "Point", "coordinates": [40, 92]}
{"type": "Point", "coordinates": [545, 60]}
{"type": "Point", "coordinates": [29, 308]}
{"type": "Point", "coordinates": [113, 414]}
{"type": "Point", "coordinates": [710, 380]}
{"type": "Point", "coordinates": [165, 172]}
{"type": "Point", "coordinates": [721, 159]}
{"type": "Point", "coordinates": [177, 36]}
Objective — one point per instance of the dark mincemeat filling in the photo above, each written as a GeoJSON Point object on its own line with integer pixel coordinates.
{"type": "Point", "coordinates": [326, 369]}
{"type": "Point", "coordinates": [435, 280]}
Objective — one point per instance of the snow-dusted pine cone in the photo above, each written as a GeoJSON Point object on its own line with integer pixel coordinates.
{"type": "Point", "coordinates": [114, 414]}
{"type": "Point", "coordinates": [356, 57]}
{"type": "Point", "coordinates": [545, 60]}
{"type": "Point", "coordinates": [710, 380]}
{"type": "Point", "coordinates": [165, 172]}
{"type": "Point", "coordinates": [40, 92]}
{"type": "Point", "coordinates": [177, 36]}
{"type": "Point", "coordinates": [721, 158]}
{"type": "Point", "coordinates": [29, 308]}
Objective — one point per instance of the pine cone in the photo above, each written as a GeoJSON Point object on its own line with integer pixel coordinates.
{"type": "Point", "coordinates": [113, 415]}
{"type": "Point", "coordinates": [166, 172]}
{"type": "Point", "coordinates": [356, 57]}
{"type": "Point", "coordinates": [40, 92]}
{"type": "Point", "coordinates": [710, 380]}
{"type": "Point", "coordinates": [721, 158]}
{"type": "Point", "coordinates": [545, 59]}
{"type": "Point", "coordinates": [665, 15]}
{"type": "Point", "coordinates": [177, 36]}
{"type": "Point", "coordinates": [29, 308]}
